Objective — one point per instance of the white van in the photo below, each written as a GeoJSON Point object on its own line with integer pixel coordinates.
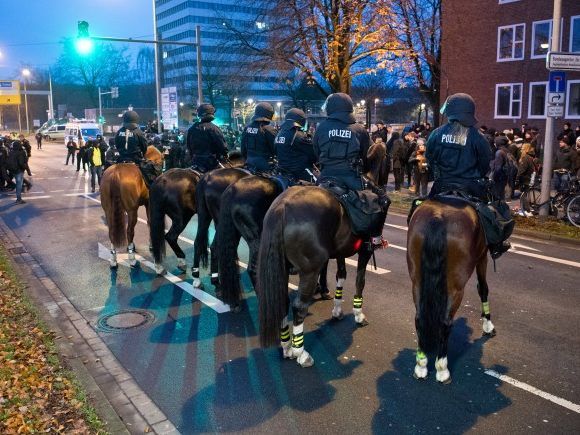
{"type": "Point", "coordinates": [88, 130]}
{"type": "Point", "coordinates": [55, 132]}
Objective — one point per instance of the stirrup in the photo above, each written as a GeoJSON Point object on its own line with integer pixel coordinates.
{"type": "Point", "coordinates": [498, 250]}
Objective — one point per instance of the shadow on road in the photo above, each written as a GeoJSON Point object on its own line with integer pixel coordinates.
{"type": "Point", "coordinates": [411, 406]}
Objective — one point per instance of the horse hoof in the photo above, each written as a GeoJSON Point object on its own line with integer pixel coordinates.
{"type": "Point", "coordinates": [305, 360]}
{"type": "Point", "coordinates": [490, 334]}
{"type": "Point", "coordinates": [362, 324]}
{"type": "Point", "coordinates": [287, 352]}
{"type": "Point", "coordinates": [182, 267]}
{"type": "Point", "coordinates": [444, 378]}
{"type": "Point", "coordinates": [420, 373]}
{"type": "Point", "coordinates": [197, 283]}
{"type": "Point", "coordinates": [338, 316]}
{"type": "Point", "coordinates": [325, 296]}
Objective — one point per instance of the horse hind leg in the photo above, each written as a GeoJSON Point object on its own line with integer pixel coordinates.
{"type": "Point", "coordinates": [363, 259]}
{"type": "Point", "coordinates": [441, 364]}
{"type": "Point", "coordinates": [300, 311]}
{"type": "Point", "coordinates": [113, 264]}
{"type": "Point", "coordinates": [132, 221]}
{"type": "Point", "coordinates": [483, 290]}
{"type": "Point", "coordinates": [177, 226]}
{"type": "Point", "coordinates": [340, 277]}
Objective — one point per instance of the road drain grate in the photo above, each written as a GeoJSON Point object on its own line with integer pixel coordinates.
{"type": "Point", "coordinates": [125, 320]}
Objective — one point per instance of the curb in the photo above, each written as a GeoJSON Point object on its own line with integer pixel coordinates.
{"type": "Point", "coordinates": [117, 398]}
{"type": "Point", "coordinates": [517, 232]}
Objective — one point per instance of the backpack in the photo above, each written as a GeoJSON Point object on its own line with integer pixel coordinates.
{"type": "Point", "coordinates": [510, 167]}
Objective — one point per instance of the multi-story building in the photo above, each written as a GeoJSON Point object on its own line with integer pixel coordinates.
{"type": "Point", "coordinates": [224, 73]}
{"type": "Point", "coordinates": [496, 50]}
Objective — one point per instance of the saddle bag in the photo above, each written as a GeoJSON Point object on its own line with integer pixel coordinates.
{"type": "Point", "coordinates": [496, 220]}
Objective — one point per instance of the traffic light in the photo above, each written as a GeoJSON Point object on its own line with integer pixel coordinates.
{"type": "Point", "coordinates": [101, 119]}
{"type": "Point", "coordinates": [83, 44]}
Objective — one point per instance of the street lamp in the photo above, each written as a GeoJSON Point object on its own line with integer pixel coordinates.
{"type": "Point", "coordinates": [376, 102]}
{"type": "Point", "coordinates": [26, 74]}
{"type": "Point", "coordinates": [279, 104]}
{"type": "Point", "coordinates": [250, 101]}
{"type": "Point", "coordinates": [235, 114]}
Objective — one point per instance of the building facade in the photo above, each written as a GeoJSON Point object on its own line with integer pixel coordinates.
{"type": "Point", "coordinates": [224, 74]}
{"type": "Point", "coordinates": [495, 50]}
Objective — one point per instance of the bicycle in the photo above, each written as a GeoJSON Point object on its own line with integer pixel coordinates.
{"type": "Point", "coordinates": [565, 202]}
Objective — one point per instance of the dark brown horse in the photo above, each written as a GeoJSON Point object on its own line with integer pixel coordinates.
{"type": "Point", "coordinates": [304, 227]}
{"type": "Point", "coordinates": [445, 243]}
{"type": "Point", "coordinates": [123, 191]}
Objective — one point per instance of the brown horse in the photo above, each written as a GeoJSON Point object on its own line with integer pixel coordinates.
{"type": "Point", "coordinates": [123, 191]}
{"type": "Point", "coordinates": [445, 243]}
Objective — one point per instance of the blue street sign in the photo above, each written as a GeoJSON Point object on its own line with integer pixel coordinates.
{"type": "Point", "coordinates": [557, 81]}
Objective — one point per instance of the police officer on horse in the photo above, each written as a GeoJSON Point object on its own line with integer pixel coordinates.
{"type": "Point", "coordinates": [460, 157]}
{"type": "Point", "coordinates": [132, 145]}
{"type": "Point", "coordinates": [205, 141]}
{"type": "Point", "coordinates": [294, 147]}
{"type": "Point", "coordinates": [258, 148]}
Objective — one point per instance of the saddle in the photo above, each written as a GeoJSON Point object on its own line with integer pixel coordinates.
{"type": "Point", "coordinates": [494, 216]}
{"type": "Point", "coordinates": [364, 209]}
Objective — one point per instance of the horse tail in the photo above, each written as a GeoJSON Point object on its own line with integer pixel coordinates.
{"type": "Point", "coordinates": [203, 222]}
{"type": "Point", "coordinates": [272, 282]}
{"type": "Point", "coordinates": [116, 214]}
{"type": "Point", "coordinates": [157, 219]}
{"type": "Point", "coordinates": [229, 237]}
{"type": "Point", "coordinates": [433, 310]}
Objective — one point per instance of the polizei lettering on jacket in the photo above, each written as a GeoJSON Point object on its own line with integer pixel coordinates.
{"type": "Point", "coordinates": [280, 139]}
{"type": "Point", "coordinates": [451, 138]}
{"type": "Point", "coordinates": [340, 133]}
{"type": "Point", "coordinates": [252, 130]}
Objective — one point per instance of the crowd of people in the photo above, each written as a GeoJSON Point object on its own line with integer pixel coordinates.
{"type": "Point", "coordinates": [15, 153]}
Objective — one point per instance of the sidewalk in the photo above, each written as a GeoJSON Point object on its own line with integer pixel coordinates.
{"type": "Point", "coordinates": [117, 398]}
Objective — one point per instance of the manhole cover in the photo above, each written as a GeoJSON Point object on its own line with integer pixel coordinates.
{"type": "Point", "coordinates": [124, 320]}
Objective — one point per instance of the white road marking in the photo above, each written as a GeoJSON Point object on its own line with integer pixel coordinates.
{"type": "Point", "coordinates": [205, 298]}
{"type": "Point", "coordinates": [402, 248]}
{"type": "Point", "coordinates": [545, 257]}
{"type": "Point", "coordinates": [399, 227]}
{"type": "Point", "coordinates": [520, 246]}
{"type": "Point", "coordinates": [26, 197]}
{"type": "Point", "coordinates": [370, 267]}
{"type": "Point", "coordinates": [526, 387]}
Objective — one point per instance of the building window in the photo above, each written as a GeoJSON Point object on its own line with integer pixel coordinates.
{"type": "Point", "coordinates": [575, 34]}
{"type": "Point", "coordinates": [537, 100]}
{"type": "Point", "coordinates": [541, 38]}
{"type": "Point", "coordinates": [573, 99]}
{"type": "Point", "coordinates": [510, 42]}
{"type": "Point", "coordinates": [508, 100]}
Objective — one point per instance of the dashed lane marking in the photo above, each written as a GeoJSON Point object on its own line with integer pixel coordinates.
{"type": "Point", "coordinates": [205, 298]}
{"type": "Point", "coordinates": [526, 387]}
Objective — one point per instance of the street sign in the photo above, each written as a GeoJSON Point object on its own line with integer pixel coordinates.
{"type": "Point", "coordinates": [556, 98]}
{"type": "Point", "coordinates": [10, 92]}
{"type": "Point", "coordinates": [563, 61]}
{"type": "Point", "coordinates": [556, 111]}
{"type": "Point", "coordinates": [557, 81]}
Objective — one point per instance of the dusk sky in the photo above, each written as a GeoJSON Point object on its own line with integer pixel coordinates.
{"type": "Point", "coordinates": [33, 28]}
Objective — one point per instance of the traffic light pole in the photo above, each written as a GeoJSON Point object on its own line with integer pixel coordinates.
{"type": "Point", "coordinates": [101, 106]}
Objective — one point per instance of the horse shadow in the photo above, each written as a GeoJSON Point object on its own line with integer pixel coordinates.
{"type": "Point", "coordinates": [407, 405]}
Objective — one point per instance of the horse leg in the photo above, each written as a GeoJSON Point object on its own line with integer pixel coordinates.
{"type": "Point", "coordinates": [483, 290]}
{"type": "Point", "coordinates": [340, 277]}
{"type": "Point", "coordinates": [306, 288]}
{"type": "Point", "coordinates": [443, 374]}
{"type": "Point", "coordinates": [113, 260]}
{"type": "Point", "coordinates": [285, 341]}
{"type": "Point", "coordinates": [132, 221]}
{"type": "Point", "coordinates": [361, 269]}
{"type": "Point", "coordinates": [148, 225]}
{"type": "Point", "coordinates": [254, 246]}
{"type": "Point", "coordinates": [177, 227]}
{"type": "Point", "coordinates": [213, 267]}
{"type": "Point", "coordinates": [322, 286]}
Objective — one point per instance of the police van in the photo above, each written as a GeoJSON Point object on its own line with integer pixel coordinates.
{"type": "Point", "coordinates": [87, 129]}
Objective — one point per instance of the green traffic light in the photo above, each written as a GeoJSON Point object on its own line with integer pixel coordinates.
{"type": "Point", "coordinates": [84, 45]}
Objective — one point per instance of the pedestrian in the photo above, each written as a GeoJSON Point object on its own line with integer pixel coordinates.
{"type": "Point", "coordinates": [568, 134]}
{"type": "Point", "coordinates": [564, 164]}
{"type": "Point", "coordinates": [258, 148]}
{"type": "Point", "coordinates": [527, 165]}
{"type": "Point", "coordinates": [71, 147]}
{"type": "Point", "coordinates": [421, 168]}
{"type": "Point", "coordinates": [399, 153]}
{"type": "Point", "coordinates": [498, 167]}
{"type": "Point", "coordinates": [38, 137]}
{"type": "Point", "coordinates": [26, 145]}
{"type": "Point", "coordinates": [81, 155]}
{"type": "Point", "coordinates": [5, 180]}
{"type": "Point", "coordinates": [17, 164]}
{"type": "Point", "coordinates": [381, 133]}
{"type": "Point", "coordinates": [96, 158]}
{"type": "Point", "coordinates": [411, 146]}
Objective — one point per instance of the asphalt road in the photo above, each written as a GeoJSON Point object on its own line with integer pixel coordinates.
{"type": "Point", "coordinates": [206, 371]}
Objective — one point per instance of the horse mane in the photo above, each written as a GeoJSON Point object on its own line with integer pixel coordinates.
{"type": "Point", "coordinates": [377, 161]}
{"type": "Point", "coordinates": [154, 155]}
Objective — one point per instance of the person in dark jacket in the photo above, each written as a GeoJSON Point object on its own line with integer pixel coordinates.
{"type": "Point", "coordinates": [26, 145]}
{"type": "Point", "coordinates": [399, 154]}
{"type": "Point", "coordinates": [527, 165]}
{"type": "Point", "coordinates": [111, 154]}
{"type": "Point", "coordinates": [5, 180]}
{"type": "Point", "coordinates": [381, 133]}
{"type": "Point", "coordinates": [81, 154]}
{"type": "Point", "coordinates": [205, 141]}
{"type": "Point", "coordinates": [460, 155]}
{"type": "Point", "coordinates": [294, 147]}
{"type": "Point", "coordinates": [567, 134]}
{"type": "Point", "coordinates": [257, 146]}
{"type": "Point", "coordinates": [96, 158]}
{"type": "Point", "coordinates": [564, 162]}
{"type": "Point", "coordinates": [38, 138]}
{"type": "Point", "coordinates": [498, 165]}
{"type": "Point", "coordinates": [71, 147]}
{"type": "Point", "coordinates": [17, 164]}
{"type": "Point", "coordinates": [129, 140]}
{"type": "Point", "coordinates": [410, 147]}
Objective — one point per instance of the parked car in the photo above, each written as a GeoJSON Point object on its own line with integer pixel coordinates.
{"type": "Point", "coordinates": [55, 132]}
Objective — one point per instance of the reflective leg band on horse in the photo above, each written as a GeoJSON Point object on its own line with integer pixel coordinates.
{"type": "Point", "coordinates": [285, 339]}
{"type": "Point", "coordinates": [488, 327]}
{"type": "Point", "coordinates": [337, 310]}
{"type": "Point", "coordinates": [357, 303]}
{"type": "Point", "coordinates": [302, 357]}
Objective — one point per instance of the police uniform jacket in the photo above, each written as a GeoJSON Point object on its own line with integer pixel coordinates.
{"type": "Point", "coordinates": [206, 144]}
{"type": "Point", "coordinates": [295, 151]}
{"type": "Point", "coordinates": [131, 144]}
{"type": "Point", "coordinates": [258, 146]}
{"type": "Point", "coordinates": [341, 148]}
{"type": "Point", "coordinates": [458, 154]}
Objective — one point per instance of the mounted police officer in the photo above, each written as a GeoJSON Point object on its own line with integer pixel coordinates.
{"type": "Point", "coordinates": [258, 148]}
{"type": "Point", "coordinates": [205, 141]}
{"type": "Point", "coordinates": [342, 146]}
{"type": "Point", "coordinates": [294, 147]}
{"type": "Point", "coordinates": [460, 156]}
{"type": "Point", "coordinates": [132, 145]}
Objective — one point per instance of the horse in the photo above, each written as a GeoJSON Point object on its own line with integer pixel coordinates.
{"type": "Point", "coordinates": [304, 227]}
{"type": "Point", "coordinates": [242, 209]}
{"type": "Point", "coordinates": [123, 191]}
{"type": "Point", "coordinates": [173, 194]}
{"type": "Point", "coordinates": [208, 195]}
{"type": "Point", "coordinates": [445, 243]}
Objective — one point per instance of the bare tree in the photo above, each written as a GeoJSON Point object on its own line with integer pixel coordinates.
{"type": "Point", "coordinates": [419, 32]}
{"type": "Point", "coordinates": [145, 65]}
{"type": "Point", "coordinates": [331, 41]}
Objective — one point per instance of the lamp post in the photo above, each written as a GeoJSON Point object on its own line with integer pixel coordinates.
{"type": "Point", "coordinates": [422, 110]}
{"type": "Point", "coordinates": [235, 115]}
{"type": "Point", "coordinates": [376, 102]}
{"type": "Point", "coordinates": [279, 105]}
{"type": "Point", "coordinates": [26, 74]}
